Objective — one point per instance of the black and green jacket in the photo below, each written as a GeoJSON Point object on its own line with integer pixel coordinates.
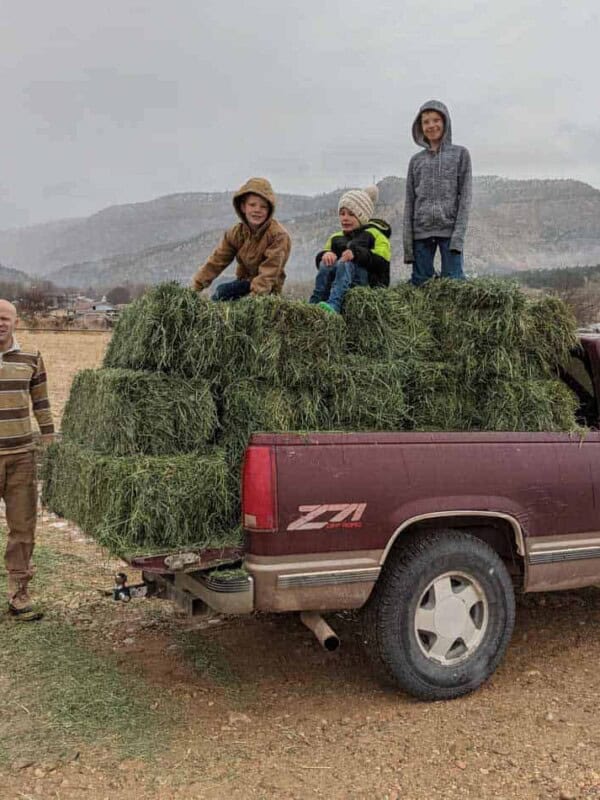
{"type": "Point", "coordinates": [371, 247]}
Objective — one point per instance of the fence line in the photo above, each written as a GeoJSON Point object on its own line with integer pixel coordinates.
{"type": "Point", "coordinates": [65, 330]}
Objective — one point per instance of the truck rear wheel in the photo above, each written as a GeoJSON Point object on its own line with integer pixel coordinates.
{"type": "Point", "coordinates": [443, 614]}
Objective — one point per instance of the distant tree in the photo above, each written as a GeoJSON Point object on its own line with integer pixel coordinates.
{"type": "Point", "coordinates": [578, 287]}
{"type": "Point", "coordinates": [10, 290]}
{"type": "Point", "coordinates": [46, 286]}
{"type": "Point", "coordinates": [33, 301]}
{"type": "Point", "coordinates": [118, 295]}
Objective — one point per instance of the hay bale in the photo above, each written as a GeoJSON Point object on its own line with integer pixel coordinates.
{"type": "Point", "coordinates": [479, 325]}
{"type": "Point", "coordinates": [169, 329]}
{"type": "Point", "coordinates": [144, 503]}
{"type": "Point", "coordinates": [550, 334]}
{"type": "Point", "coordinates": [173, 330]}
{"type": "Point", "coordinates": [389, 324]}
{"type": "Point", "coordinates": [490, 329]}
{"type": "Point", "coordinates": [288, 343]}
{"type": "Point", "coordinates": [536, 405]}
{"type": "Point", "coordinates": [124, 412]}
{"type": "Point", "coordinates": [364, 395]}
{"type": "Point", "coordinates": [251, 405]}
{"type": "Point", "coordinates": [441, 400]}
{"type": "Point", "coordinates": [437, 398]}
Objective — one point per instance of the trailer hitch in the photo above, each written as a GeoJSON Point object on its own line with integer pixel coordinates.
{"type": "Point", "coordinates": [123, 592]}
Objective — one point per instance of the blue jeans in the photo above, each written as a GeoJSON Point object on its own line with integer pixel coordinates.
{"type": "Point", "coordinates": [424, 251]}
{"type": "Point", "coordinates": [332, 283]}
{"type": "Point", "coordinates": [232, 290]}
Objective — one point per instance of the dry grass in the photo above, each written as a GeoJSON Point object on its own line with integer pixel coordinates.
{"type": "Point", "coordinates": [65, 353]}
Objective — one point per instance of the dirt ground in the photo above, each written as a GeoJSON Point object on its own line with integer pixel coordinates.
{"type": "Point", "coordinates": [253, 708]}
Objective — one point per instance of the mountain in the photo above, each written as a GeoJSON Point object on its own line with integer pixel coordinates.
{"type": "Point", "coordinates": [41, 249]}
{"type": "Point", "coordinates": [9, 275]}
{"type": "Point", "coordinates": [513, 225]}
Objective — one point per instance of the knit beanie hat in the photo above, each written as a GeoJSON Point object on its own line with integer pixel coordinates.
{"type": "Point", "coordinates": [360, 202]}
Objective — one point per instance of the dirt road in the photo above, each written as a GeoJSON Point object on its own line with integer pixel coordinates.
{"type": "Point", "coordinates": [253, 708]}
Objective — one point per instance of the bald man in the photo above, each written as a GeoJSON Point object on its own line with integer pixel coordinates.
{"type": "Point", "coordinates": [22, 386]}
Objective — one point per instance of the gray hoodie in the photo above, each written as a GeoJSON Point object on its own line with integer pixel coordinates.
{"type": "Point", "coordinates": [438, 188]}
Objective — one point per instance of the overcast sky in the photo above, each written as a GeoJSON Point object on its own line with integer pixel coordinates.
{"type": "Point", "coordinates": [124, 101]}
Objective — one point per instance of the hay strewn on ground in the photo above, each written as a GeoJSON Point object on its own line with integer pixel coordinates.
{"type": "Point", "coordinates": [475, 355]}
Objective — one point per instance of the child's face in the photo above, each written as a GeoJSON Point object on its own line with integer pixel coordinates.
{"type": "Point", "coordinates": [432, 125]}
{"type": "Point", "coordinates": [255, 209]}
{"type": "Point", "coordinates": [348, 221]}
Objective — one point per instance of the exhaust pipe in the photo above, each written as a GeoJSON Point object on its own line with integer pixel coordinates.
{"type": "Point", "coordinates": [326, 637]}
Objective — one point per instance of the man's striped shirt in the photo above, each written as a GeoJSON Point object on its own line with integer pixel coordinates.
{"type": "Point", "coordinates": [22, 381]}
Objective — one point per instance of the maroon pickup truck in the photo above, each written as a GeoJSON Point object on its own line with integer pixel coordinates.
{"type": "Point", "coordinates": [432, 533]}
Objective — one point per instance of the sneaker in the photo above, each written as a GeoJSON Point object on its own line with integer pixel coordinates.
{"type": "Point", "coordinates": [326, 307]}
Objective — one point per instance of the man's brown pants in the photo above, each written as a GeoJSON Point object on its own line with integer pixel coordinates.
{"type": "Point", "coordinates": [18, 488]}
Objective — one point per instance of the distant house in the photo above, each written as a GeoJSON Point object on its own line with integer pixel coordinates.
{"type": "Point", "coordinates": [96, 312]}
{"type": "Point", "coordinates": [103, 306]}
{"type": "Point", "coordinates": [82, 304]}
{"type": "Point", "coordinates": [58, 299]}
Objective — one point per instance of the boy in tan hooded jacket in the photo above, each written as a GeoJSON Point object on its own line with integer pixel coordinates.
{"type": "Point", "coordinates": [260, 245]}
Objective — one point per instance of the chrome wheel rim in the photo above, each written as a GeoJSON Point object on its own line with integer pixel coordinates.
{"type": "Point", "coordinates": [451, 618]}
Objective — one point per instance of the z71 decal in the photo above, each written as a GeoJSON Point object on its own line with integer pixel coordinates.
{"type": "Point", "coordinates": [345, 515]}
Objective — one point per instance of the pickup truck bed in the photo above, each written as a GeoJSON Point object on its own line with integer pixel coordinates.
{"type": "Point", "coordinates": [431, 532]}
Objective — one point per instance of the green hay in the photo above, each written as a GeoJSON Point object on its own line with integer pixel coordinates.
{"type": "Point", "coordinates": [145, 503]}
{"type": "Point", "coordinates": [528, 406]}
{"type": "Point", "coordinates": [479, 325]}
{"type": "Point", "coordinates": [473, 355]}
{"type": "Point", "coordinates": [438, 400]}
{"type": "Point", "coordinates": [172, 329]}
{"type": "Point", "coordinates": [169, 329]}
{"type": "Point", "coordinates": [285, 342]}
{"type": "Point", "coordinates": [550, 334]}
{"type": "Point", "coordinates": [366, 395]}
{"type": "Point", "coordinates": [489, 329]}
{"type": "Point", "coordinates": [441, 400]}
{"type": "Point", "coordinates": [389, 324]}
{"type": "Point", "coordinates": [122, 412]}
{"type": "Point", "coordinates": [251, 405]}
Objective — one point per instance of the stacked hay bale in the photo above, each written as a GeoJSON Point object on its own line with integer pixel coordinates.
{"type": "Point", "coordinates": [152, 442]}
{"type": "Point", "coordinates": [137, 466]}
{"type": "Point", "coordinates": [475, 355]}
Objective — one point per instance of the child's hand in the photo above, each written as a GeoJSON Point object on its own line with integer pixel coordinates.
{"type": "Point", "coordinates": [347, 255]}
{"type": "Point", "coordinates": [329, 259]}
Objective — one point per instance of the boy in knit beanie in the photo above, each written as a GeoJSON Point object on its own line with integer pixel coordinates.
{"type": "Point", "coordinates": [358, 255]}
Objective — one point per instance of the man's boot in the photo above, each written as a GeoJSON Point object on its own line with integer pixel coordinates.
{"type": "Point", "coordinates": [19, 601]}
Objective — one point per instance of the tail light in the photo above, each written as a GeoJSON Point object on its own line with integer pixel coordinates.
{"type": "Point", "coordinates": [259, 489]}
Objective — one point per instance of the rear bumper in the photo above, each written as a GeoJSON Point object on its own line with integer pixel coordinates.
{"type": "Point", "coordinates": [307, 582]}
{"type": "Point", "coordinates": [313, 582]}
{"type": "Point", "coordinates": [195, 592]}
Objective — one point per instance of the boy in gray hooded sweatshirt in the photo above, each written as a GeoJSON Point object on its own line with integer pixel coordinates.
{"type": "Point", "coordinates": [438, 197]}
